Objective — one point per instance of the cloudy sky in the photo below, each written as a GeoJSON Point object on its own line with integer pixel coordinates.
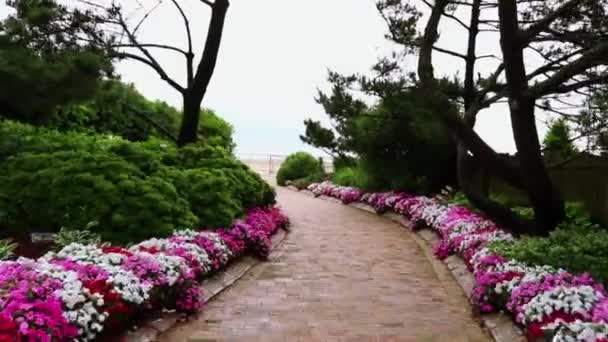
{"type": "Point", "coordinates": [275, 55]}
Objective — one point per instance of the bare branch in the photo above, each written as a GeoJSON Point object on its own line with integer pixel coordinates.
{"type": "Point", "coordinates": [449, 52]}
{"type": "Point", "coordinates": [190, 53]}
{"type": "Point", "coordinates": [150, 60]}
{"type": "Point", "coordinates": [465, 26]}
{"type": "Point", "coordinates": [163, 75]}
{"type": "Point", "coordinates": [488, 56]}
{"type": "Point", "coordinates": [186, 24]}
{"type": "Point", "coordinates": [146, 16]}
{"type": "Point", "coordinates": [158, 46]}
{"type": "Point", "coordinates": [208, 3]}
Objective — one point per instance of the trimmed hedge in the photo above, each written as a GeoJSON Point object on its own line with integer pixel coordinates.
{"type": "Point", "coordinates": [135, 191]}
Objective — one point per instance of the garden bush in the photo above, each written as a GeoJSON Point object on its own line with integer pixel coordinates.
{"type": "Point", "coordinates": [576, 249]}
{"type": "Point", "coordinates": [296, 166]}
{"type": "Point", "coordinates": [351, 176]}
{"type": "Point", "coordinates": [50, 190]}
{"type": "Point", "coordinates": [135, 190]}
{"type": "Point", "coordinates": [577, 245]}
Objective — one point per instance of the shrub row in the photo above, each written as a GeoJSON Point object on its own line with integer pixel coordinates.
{"type": "Point", "coordinates": [50, 179]}
{"type": "Point", "coordinates": [82, 291]}
{"type": "Point", "coordinates": [550, 303]}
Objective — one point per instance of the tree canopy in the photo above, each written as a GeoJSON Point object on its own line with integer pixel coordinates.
{"type": "Point", "coordinates": [43, 64]}
{"type": "Point", "coordinates": [395, 138]}
{"type": "Point", "coordinates": [553, 54]}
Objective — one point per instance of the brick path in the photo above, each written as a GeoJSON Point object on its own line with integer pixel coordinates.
{"type": "Point", "coordinates": [341, 275]}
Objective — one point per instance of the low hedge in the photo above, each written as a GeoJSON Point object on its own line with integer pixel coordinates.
{"type": "Point", "coordinates": [50, 180]}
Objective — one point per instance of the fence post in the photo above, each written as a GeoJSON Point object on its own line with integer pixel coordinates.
{"type": "Point", "coordinates": [270, 164]}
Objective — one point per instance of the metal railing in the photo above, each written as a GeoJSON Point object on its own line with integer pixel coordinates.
{"type": "Point", "coordinates": [269, 164]}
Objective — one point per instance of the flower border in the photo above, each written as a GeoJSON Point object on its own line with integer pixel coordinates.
{"type": "Point", "coordinates": [550, 304]}
{"type": "Point", "coordinates": [82, 291]}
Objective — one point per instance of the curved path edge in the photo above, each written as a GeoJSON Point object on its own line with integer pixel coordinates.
{"type": "Point", "coordinates": [212, 287]}
{"type": "Point", "coordinates": [501, 327]}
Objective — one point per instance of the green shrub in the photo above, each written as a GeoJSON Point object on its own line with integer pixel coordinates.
{"type": "Point", "coordinates": [578, 250]}
{"type": "Point", "coordinates": [51, 190]}
{"type": "Point", "coordinates": [118, 108]}
{"type": "Point", "coordinates": [577, 245]}
{"type": "Point", "coordinates": [344, 176]}
{"type": "Point", "coordinates": [209, 195]}
{"type": "Point", "coordinates": [351, 176]}
{"type": "Point", "coordinates": [16, 138]}
{"type": "Point", "coordinates": [50, 180]}
{"type": "Point", "coordinates": [296, 166]}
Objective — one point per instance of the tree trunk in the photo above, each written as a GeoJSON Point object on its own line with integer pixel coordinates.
{"type": "Point", "coordinates": [547, 202]}
{"type": "Point", "coordinates": [474, 191]}
{"type": "Point", "coordinates": [190, 120]}
{"type": "Point", "coordinates": [193, 96]}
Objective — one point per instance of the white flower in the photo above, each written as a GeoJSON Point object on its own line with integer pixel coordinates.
{"type": "Point", "coordinates": [566, 299]}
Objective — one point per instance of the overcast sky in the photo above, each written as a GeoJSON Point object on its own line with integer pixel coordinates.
{"type": "Point", "coordinates": [274, 56]}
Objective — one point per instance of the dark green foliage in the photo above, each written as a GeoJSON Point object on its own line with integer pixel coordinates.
{"type": "Point", "coordinates": [344, 161]}
{"type": "Point", "coordinates": [43, 65]}
{"type": "Point", "coordinates": [215, 131]}
{"type": "Point", "coordinates": [459, 198]}
{"type": "Point", "coordinates": [577, 245]}
{"type": "Point", "coordinates": [351, 176]}
{"type": "Point", "coordinates": [402, 148]}
{"type": "Point", "coordinates": [558, 140]}
{"type": "Point", "coordinates": [593, 122]}
{"type": "Point", "coordinates": [137, 190]}
{"type": "Point", "coordinates": [201, 188]}
{"type": "Point", "coordinates": [398, 142]}
{"type": "Point", "coordinates": [118, 108]}
{"type": "Point", "coordinates": [576, 249]}
{"type": "Point", "coordinates": [50, 190]}
{"type": "Point", "coordinates": [296, 166]}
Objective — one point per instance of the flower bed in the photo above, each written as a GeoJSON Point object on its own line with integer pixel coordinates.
{"type": "Point", "coordinates": [82, 291]}
{"type": "Point", "coordinates": [548, 303]}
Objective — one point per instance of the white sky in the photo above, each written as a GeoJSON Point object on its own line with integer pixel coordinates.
{"type": "Point", "coordinates": [274, 56]}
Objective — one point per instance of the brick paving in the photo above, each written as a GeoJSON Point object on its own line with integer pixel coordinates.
{"type": "Point", "coordinates": [341, 275]}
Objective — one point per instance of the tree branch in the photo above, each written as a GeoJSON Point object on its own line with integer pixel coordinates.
{"type": "Point", "coordinates": [449, 52]}
{"type": "Point", "coordinates": [190, 53]}
{"type": "Point", "coordinates": [146, 117]}
{"type": "Point", "coordinates": [591, 58]}
{"type": "Point", "coordinates": [151, 61]}
{"type": "Point", "coordinates": [158, 46]}
{"type": "Point", "coordinates": [543, 24]}
{"type": "Point", "coordinates": [154, 66]}
{"type": "Point", "coordinates": [186, 24]}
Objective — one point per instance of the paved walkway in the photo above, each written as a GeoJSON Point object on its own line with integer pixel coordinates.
{"type": "Point", "coordinates": [341, 275]}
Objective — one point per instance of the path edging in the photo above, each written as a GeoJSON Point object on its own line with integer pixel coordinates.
{"type": "Point", "coordinates": [151, 329]}
{"type": "Point", "coordinates": [501, 327]}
